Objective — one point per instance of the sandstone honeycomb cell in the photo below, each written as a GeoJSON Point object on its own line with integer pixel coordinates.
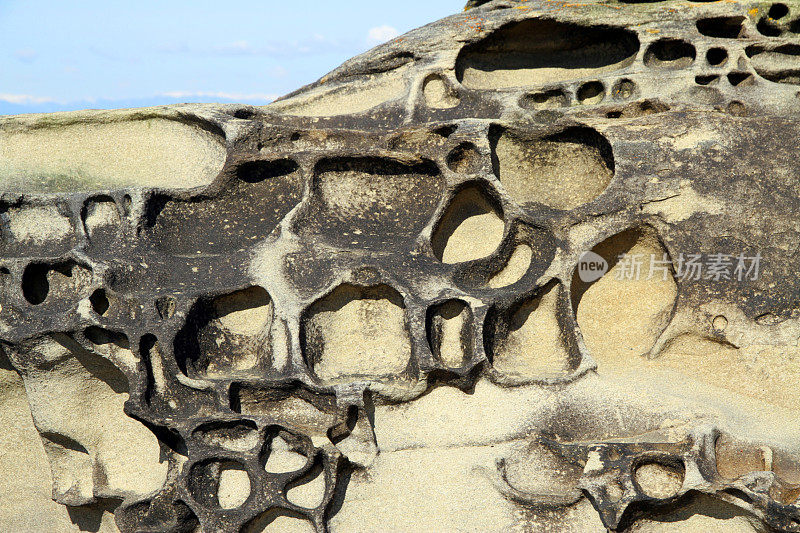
{"type": "Point", "coordinates": [532, 267]}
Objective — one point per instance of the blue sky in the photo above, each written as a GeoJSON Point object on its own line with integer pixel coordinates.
{"type": "Point", "coordinates": [66, 55]}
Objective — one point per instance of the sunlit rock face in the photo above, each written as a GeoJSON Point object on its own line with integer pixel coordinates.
{"type": "Point", "coordinates": [533, 267]}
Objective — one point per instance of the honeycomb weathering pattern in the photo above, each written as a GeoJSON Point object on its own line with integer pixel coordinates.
{"type": "Point", "coordinates": [358, 309]}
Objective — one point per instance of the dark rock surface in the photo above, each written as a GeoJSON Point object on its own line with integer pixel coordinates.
{"type": "Point", "coordinates": [360, 308]}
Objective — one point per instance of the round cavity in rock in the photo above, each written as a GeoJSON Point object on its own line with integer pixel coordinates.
{"type": "Point", "coordinates": [547, 99]}
{"type": "Point", "coordinates": [449, 326]}
{"type": "Point", "coordinates": [100, 218]}
{"type": "Point", "coordinates": [621, 315]}
{"type": "Point", "coordinates": [737, 458]}
{"type": "Point", "coordinates": [369, 201]}
{"type": "Point", "coordinates": [527, 342]}
{"type": "Point", "coordinates": [737, 109]}
{"type": "Point", "coordinates": [716, 56]}
{"type": "Point", "coordinates": [357, 331]}
{"type": "Point", "coordinates": [591, 92]}
{"type": "Point", "coordinates": [309, 492]}
{"type": "Point", "coordinates": [624, 89]}
{"type": "Point", "coordinates": [244, 114]}
{"type": "Point", "coordinates": [63, 282]}
{"type": "Point", "coordinates": [88, 152]}
{"type": "Point", "coordinates": [282, 457]}
{"type": "Point", "coordinates": [740, 78]}
{"type": "Point", "coordinates": [278, 521]}
{"type": "Point", "coordinates": [706, 79]}
{"type": "Point", "coordinates": [670, 54]}
{"type": "Point", "coordinates": [99, 302]}
{"type": "Point", "coordinates": [540, 52]}
{"type": "Point", "coordinates": [226, 334]}
{"type": "Point", "coordinates": [239, 436]}
{"type": "Point", "coordinates": [721, 27]}
{"type": "Point", "coordinates": [234, 486]}
{"type": "Point", "coordinates": [614, 491]}
{"type": "Point", "coordinates": [219, 483]}
{"type": "Point", "coordinates": [515, 268]}
{"type": "Point", "coordinates": [464, 159]}
{"type": "Point", "coordinates": [719, 323]}
{"type": "Point", "coordinates": [768, 27]}
{"type": "Point", "coordinates": [438, 94]}
{"type": "Point", "coordinates": [471, 228]}
{"type": "Point", "coordinates": [535, 469]}
{"type": "Point", "coordinates": [778, 11]}
{"type": "Point", "coordinates": [562, 171]}
{"type": "Point", "coordinates": [659, 480]}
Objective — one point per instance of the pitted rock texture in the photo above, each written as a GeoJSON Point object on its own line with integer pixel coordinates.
{"type": "Point", "coordinates": [360, 309]}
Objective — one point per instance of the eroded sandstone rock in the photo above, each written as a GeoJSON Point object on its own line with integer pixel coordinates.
{"type": "Point", "coordinates": [363, 308]}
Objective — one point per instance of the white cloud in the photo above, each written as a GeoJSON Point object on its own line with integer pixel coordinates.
{"type": "Point", "coordinates": [313, 44]}
{"type": "Point", "coordinates": [237, 47]}
{"type": "Point", "coordinates": [381, 34]}
{"type": "Point", "coordinates": [25, 99]}
{"type": "Point", "coordinates": [26, 55]}
{"type": "Point", "coordinates": [221, 95]}
{"type": "Point", "coordinates": [278, 72]}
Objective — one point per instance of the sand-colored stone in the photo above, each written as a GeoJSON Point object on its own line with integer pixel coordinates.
{"type": "Point", "coordinates": [84, 154]}
{"type": "Point", "coordinates": [471, 229]}
{"type": "Point", "coordinates": [562, 173]}
{"type": "Point", "coordinates": [365, 297]}
{"type": "Point", "coordinates": [323, 102]}
{"type": "Point", "coordinates": [234, 487]}
{"type": "Point", "coordinates": [515, 268]}
{"type": "Point", "coordinates": [534, 346]}
{"type": "Point", "coordinates": [623, 313]}
{"type": "Point", "coordinates": [348, 334]}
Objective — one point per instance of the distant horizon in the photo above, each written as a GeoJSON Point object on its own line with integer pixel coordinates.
{"type": "Point", "coordinates": [110, 55]}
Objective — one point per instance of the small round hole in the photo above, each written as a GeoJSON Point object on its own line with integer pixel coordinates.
{"type": "Point", "coordinates": [624, 89]}
{"type": "Point", "coordinates": [717, 56]}
{"type": "Point", "coordinates": [244, 114]}
{"type": "Point", "coordinates": [705, 80]}
{"type": "Point", "coordinates": [99, 301]}
{"type": "Point", "coordinates": [737, 109]}
{"type": "Point", "coordinates": [719, 323]}
{"type": "Point", "coordinates": [778, 11]}
{"type": "Point", "coordinates": [591, 92]}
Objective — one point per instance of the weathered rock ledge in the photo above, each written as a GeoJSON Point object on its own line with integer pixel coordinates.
{"type": "Point", "coordinates": [362, 307]}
